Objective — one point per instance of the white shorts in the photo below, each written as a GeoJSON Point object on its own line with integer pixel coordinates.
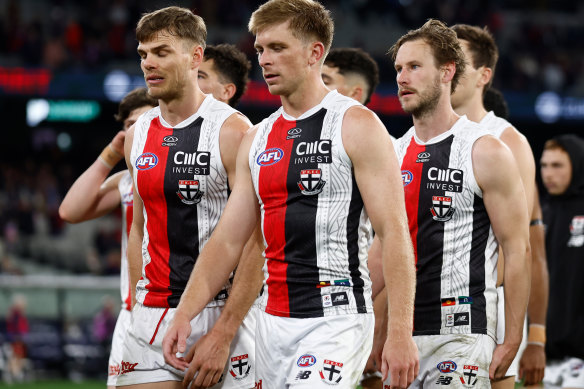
{"type": "Point", "coordinates": [568, 373]}
{"type": "Point", "coordinates": [514, 367]}
{"type": "Point", "coordinates": [143, 361]}
{"type": "Point", "coordinates": [115, 358]}
{"type": "Point", "coordinates": [312, 352]}
{"type": "Point", "coordinates": [456, 361]}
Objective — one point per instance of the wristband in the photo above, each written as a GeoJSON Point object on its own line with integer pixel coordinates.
{"type": "Point", "coordinates": [536, 334]}
{"type": "Point", "coordinates": [536, 222]}
{"type": "Point", "coordinates": [536, 344]}
{"type": "Point", "coordinates": [109, 157]}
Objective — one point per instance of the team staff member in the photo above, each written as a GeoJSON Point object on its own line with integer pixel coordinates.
{"type": "Point", "coordinates": [562, 173]}
{"type": "Point", "coordinates": [313, 166]}
{"type": "Point", "coordinates": [182, 157]}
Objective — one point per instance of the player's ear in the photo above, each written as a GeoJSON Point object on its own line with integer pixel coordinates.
{"type": "Point", "coordinates": [447, 71]}
{"type": "Point", "coordinates": [317, 53]}
{"type": "Point", "coordinates": [229, 90]}
{"type": "Point", "coordinates": [357, 93]}
{"type": "Point", "coordinates": [196, 54]}
{"type": "Point", "coordinates": [486, 75]}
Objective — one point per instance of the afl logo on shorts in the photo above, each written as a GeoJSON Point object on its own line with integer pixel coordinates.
{"type": "Point", "coordinates": [407, 177]}
{"type": "Point", "coordinates": [146, 161]}
{"type": "Point", "coordinates": [446, 366]}
{"type": "Point", "coordinates": [270, 157]}
{"type": "Point", "coordinates": [306, 360]}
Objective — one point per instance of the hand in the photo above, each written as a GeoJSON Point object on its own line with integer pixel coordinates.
{"type": "Point", "coordinates": [532, 364]}
{"type": "Point", "coordinates": [207, 359]}
{"type": "Point", "coordinates": [400, 360]}
{"type": "Point", "coordinates": [118, 142]}
{"type": "Point", "coordinates": [175, 340]}
{"type": "Point", "coordinates": [502, 358]}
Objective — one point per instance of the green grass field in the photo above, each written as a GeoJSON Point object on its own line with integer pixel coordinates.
{"type": "Point", "coordinates": [57, 385]}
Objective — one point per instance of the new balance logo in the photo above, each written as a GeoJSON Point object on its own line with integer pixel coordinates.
{"type": "Point", "coordinates": [303, 375]}
{"type": "Point", "coordinates": [443, 380]}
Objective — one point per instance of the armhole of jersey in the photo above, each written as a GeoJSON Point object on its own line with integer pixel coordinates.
{"type": "Point", "coordinates": [338, 134]}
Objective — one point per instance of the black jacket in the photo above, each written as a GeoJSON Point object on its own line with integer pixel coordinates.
{"type": "Point", "coordinates": [564, 220]}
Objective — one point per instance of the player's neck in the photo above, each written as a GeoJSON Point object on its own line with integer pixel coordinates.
{"type": "Point", "coordinates": [306, 96]}
{"type": "Point", "coordinates": [178, 110]}
{"type": "Point", "coordinates": [473, 109]}
{"type": "Point", "coordinates": [437, 122]}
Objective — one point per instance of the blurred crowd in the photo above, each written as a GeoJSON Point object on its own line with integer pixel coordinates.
{"type": "Point", "coordinates": [541, 42]}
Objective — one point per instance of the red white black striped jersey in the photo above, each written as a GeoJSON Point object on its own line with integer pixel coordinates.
{"type": "Point", "coordinates": [494, 124]}
{"type": "Point", "coordinates": [456, 250]}
{"type": "Point", "coordinates": [179, 175]}
{"type": "Point", "coordinates": [314, 222]}
{"type": "Point", "coordinates": [127, 197]}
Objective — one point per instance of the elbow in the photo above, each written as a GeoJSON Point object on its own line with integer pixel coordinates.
{"type": "Point", "coordinates": [66, 215]}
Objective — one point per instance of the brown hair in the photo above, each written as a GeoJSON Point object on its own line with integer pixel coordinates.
{"type": "Point", "coordinates": [443, 43]}
{"type": "Point", "coordinates": [308, 19]}
{"type": "Point", "coordinates": [484, 51]}
{"type": "Point", "coordinates": [553, 144]}
{"type": "Point", "coordinates": [180, 22]}
{"type": "Point", "coordinates": [137, 98]}
{"type": "Point", "coordinates": [231, 65]}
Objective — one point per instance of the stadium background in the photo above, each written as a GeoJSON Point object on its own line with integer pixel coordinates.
{"type": "Point", "coordinates": [64, 64]}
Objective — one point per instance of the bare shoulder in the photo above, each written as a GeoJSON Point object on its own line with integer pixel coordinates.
{"type": "Point", "coordinates": [237, 123]}
{"type": "Point", "coordinates": [488, 147]}
{"type": "Point", "coordinates": [491, 158]}
{"type": "Point", "coordinates": [362, 127]}
{"type": "Point", "coordinates": [515, 140]}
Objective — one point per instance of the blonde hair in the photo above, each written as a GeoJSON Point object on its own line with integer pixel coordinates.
{"type": "Point", "coordinates": [308, 19]}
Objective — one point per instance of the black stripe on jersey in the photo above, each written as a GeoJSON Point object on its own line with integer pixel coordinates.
{"type": "Point", "coordinates": [355, 209]}
{"type": "Point", "coordinates": [481, 225]}
{"type": "Point", "coordinates": [430, 243]}
{"type": "Point", "coordinates": [300, 251]}
{"type": "Point", "coordinates": [182, 224]}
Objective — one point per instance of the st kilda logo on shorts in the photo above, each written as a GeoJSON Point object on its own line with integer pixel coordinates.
{"type": "Point", "coordinates": [311, 182]}
{"type": "Point", "coordinates": [239, 366]}
{"type": "Point", "coordinates": [331, 372]}
{"type": "Point", "coordinates": [188, 191]}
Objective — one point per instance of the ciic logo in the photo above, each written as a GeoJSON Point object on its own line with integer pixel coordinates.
{"type": "Point", "coordinates": [270, 157]}
{"type": "Point", "coordinates": [146, 161]}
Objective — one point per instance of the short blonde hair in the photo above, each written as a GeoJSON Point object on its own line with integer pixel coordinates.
{"type": "Point", "coordinates": [177, 21]}
{"type": "Point", "coordinates": [308, 19]}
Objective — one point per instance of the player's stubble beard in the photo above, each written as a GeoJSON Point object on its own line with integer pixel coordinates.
{"type": "Point", "coordinates": [428, 101]}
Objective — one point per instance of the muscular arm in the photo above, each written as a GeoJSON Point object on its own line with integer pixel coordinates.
{"type": "Point", "coordinates": [504, 198]}
{"type": "Point", "coordinates": [523, 156]}
{"type": "Point", "coordinates": [378, 177]}
{"type": "Point", "coordinates": [532, 363]}
{"type": "Point", "coordinates": [92, 195]}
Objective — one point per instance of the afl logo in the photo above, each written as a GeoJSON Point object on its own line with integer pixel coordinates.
{"type": "Point", "coordinates": [446, 366]}
{"type": "Point", "coordinates": [306, 360]}
{"type": "Point", "coordinates": [270, 157]}
{"type": "Point", "coordinates": [146, 161]}
{"type": "Point", "coordinates": [407, 177]}
{"type": "Point", "coordinates": [294, 133]}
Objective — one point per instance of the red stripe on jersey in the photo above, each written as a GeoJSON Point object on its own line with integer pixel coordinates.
{"type": "Point", "coordinates": [274, 194]}
{"type": "Point", "coordinates": [129, 218]}
{"type": "Point", "coordinates": [151, 189]}
{"type": "Point", "coordinates": [412, 188]}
